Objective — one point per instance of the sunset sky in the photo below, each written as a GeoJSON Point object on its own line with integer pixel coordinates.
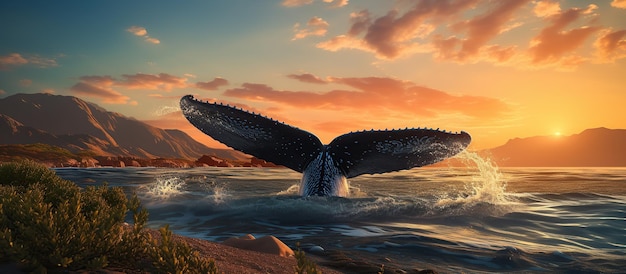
{"type": "Point", "coordinates": [496, 69]}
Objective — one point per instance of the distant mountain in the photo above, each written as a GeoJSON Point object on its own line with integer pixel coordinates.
{"type": "Point", "coordinates": [74, 124]}
{"type": "Point", "coordinates": [599, 147]}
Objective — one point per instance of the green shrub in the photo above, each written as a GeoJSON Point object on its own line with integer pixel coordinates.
{"type": "Point", "coordinates": [169, 256]}
{"type": "Point", "coordinates": [48, 223]}
{"type": "Point", "coordinates": [303, 264]}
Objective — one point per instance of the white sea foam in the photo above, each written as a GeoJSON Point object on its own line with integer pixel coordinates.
{"type": "Point", "coordinates": [487, 185]}
{"type": "Point", "coordinates": [292, 190]}
{"type": "Point", "coordinates": [166, 187]}
{"type": "Point", "coordinates": [218, 194]}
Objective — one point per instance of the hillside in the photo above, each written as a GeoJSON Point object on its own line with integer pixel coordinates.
{"type": "Point", "coordinates": [76, 125]}
{"type": "Point", "coordinates": [599, 147]}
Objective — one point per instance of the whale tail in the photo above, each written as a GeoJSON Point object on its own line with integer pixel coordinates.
{"type": "Point", "coordinates": [355, 153]}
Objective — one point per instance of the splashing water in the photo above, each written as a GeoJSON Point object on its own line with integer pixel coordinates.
{"type": "Point", "coordinates": [220, 195]}
{"type": "Point", "coordinates": [166, 187]}
{"type": "Point", "coordinates": [292, 190]}
{"type": "Point", "coordinates": [486, 187]}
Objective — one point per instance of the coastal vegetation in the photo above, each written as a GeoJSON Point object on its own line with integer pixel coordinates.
{"type": "Point", "coordinates": [50, 224]}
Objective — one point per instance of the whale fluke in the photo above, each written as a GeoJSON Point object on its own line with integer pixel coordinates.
{"type": "Point", "coordinates": [324, 167]}
{"type": "Point", "coordinates": [253, 134]}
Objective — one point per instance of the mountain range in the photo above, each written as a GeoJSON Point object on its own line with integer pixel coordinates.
{"type": "Point", "coordinates": [76, 125]}
{"type": "Point", "coordinates": [82, 127]}
{"type": "Point", "coordinates": [599, 147]}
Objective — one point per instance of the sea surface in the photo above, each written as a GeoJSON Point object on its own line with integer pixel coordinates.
{"type": "Point", "coordinates": [472, 219]}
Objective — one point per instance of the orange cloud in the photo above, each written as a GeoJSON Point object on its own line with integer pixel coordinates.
{"type": "Point", "coordinates": [13, 59]}
{"type": "Point", "coordinates": [479, 30]}
{"type": "Point", "coordinates": [138, 31]}
{"type": "Point", "coordinates": [307, 78]}
{"type": "Point", "coordinates": [161, 81]}
{"type": "Point", "coordinates": [379, 96]}
{"type": "Point", "coordinates": [611, 45]}
{"type": "Point", "coordinates": [213, 84]}
{"type": "Point", "coordinates": [546, 8]}
{"type": "Point", "coordinates": [102, 86]}
{"type": "Point", "coordinates": [499, 54]}
{"type": "Point", "coordinates": [621, 4]}
{"type": "Point", "coordinates": [553, 42]}
{"type": "Point", "coordinates": [337, 3]}
{"type": "Point", "coordinates": [394, 34]}
{"type": "Point", "coordinates": [465, 31]}
{"type": "Point", "coordinates": [16, 59]}
{"type": "Point", "coordinates": [142, 32]}
{"type": "Point", "coordinates": [103, 92]}
{"type": "Point", "coordinates": [296, 3]}
{"type": "Point", "coordinates": [315, 27]}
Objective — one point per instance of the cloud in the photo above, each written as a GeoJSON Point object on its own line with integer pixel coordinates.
{"type": "Point", "coordinates": [611, 45]}
{"type": "Point", "coordinates": [99, 90]}
{"type": "Point", "coordinates": [395, 34]}
{"type": "Point", "coordinates": [16, 59]}
{"type": "Point", "coordinates": [554, 41]}
{"type": "Point", "coordinates": [307, 78]}
{"type": "Point", "coordinates": [13, 59]}
{"type": "Point", "coordinates": [48, 91]}
{"type": "Point", "coordinates": [153, 40]}
{"type": "Point", "coordinates": [399, 34]}
{"type": "Point", "coordinates": [213, 84]}
{"type": "Point", "coordinates": [297, 3]}
{"type": "Point", "coordinates": [161, 81]}
{"type": "Point", "coordinates": [337, 3]}
{"type": "Point", "coordinates": [138, 31]}
{"type": "Point", "coordinates": [546, 8]}
{"type": "Point", "coordinates": [315, 27]}
{"type": "Point", "coordinates": [621, 4]}
{"type": "Point", "coordinates": [142, 32]}
{"type": "Point", "coordinates": [103, 86]}
{"type": "Point", "coordinates": [470, 31]}
{"type": "Point", "coordinates": [379, 96]}
{"type": "Point", "coordinates": [479, 31]}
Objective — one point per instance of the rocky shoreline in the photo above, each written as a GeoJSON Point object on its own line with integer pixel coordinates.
{"type": "Point", "coordinates": [113, 161]}
{"type": "Point", "coordinates": [204, 161]}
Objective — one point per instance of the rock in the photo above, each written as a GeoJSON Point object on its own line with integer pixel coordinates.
{"type": "Point", "coordinates": [318, 250]}
{"type": "Point", "coordinates": [210, 161]}
{"type": "Point", "coordinates": [267, 244]}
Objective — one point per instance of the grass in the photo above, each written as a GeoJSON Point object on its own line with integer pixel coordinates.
{"type": "Point", "coordinates": [41, 152]}
{"type": "Point", "coordinates": [48, 224]}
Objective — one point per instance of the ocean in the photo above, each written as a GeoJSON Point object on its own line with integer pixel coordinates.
{"type": "Point", "coordinates": [473, 219]}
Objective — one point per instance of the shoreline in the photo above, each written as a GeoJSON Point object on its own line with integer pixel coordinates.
{"type": "Point", "coordinates": [231, 259]}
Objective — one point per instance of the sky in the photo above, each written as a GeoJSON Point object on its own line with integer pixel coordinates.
{"type": "Point", "coordinates": [495, 69]}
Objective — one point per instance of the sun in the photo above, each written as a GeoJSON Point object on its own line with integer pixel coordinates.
{"type": "Point", "coordinates": [557, 133]}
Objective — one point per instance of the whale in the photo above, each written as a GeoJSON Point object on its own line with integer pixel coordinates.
{"type": "Point", "coordinates": [325, 168]}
